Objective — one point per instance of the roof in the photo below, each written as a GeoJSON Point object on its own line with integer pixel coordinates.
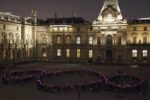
{"type": "Point", "coordinates": [140, 21]}
{"type": "Point", "coordinates": [59, 21]}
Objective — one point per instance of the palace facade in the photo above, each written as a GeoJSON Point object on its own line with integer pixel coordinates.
{"type": "Point", "coordinates": [109, 39]}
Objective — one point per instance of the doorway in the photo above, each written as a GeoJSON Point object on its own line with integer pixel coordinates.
{"type": "Point", "coordinates": [109, 55]}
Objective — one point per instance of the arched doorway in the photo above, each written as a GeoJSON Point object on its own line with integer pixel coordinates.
{"type": "Point", "coordinates": [109, 55]}
{"type": "Point", "coordinates": [43, 53]}
{"type": "Point", "coordinates": [109, 40]}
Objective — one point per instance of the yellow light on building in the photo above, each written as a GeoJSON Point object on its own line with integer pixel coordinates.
{"type": "Point", "coordinates": [90, 53]}
{"type": "Point", "coordinates": [78, 53]}
{"type": "Point", "coordinates": [68, 53]}
{"type": "Point", "coordinates": [44, 54]}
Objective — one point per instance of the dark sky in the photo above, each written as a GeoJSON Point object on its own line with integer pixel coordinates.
{"type": "Point", "coordinates": [89, 9]}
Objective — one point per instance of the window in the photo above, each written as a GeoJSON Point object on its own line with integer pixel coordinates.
{"type": "Point", "coordinates": [109, 40]}
{"type": "Point", "coordinates": [17, 28]}
{"type": "Point", "coordinates": [4, 54]}
{"type": "Point", "coordinates": [67, 40]}
{"type": "Point", "coordinates": [11, 54]}
{"type": "Point", "coordinates": [78, 29]}
{"type": "Point", "coordinates": [44, 54]}
{"type": "Point", "coordinates": [145, 53]}
{"type": "Point", "coordinates": [68, 53]}
{"type": "Point", "coordinates": [98, 40]}
{"type": "Point", "coordinates": [134, 40]}
{"type": "Point", "coordinates": [145, 28]}
{"type": "Point", "coordinates": [90, 40]}
{"type": "Point", "coordinates": [58, 39]}
{"type": "Point", "coordinates": [78, 40]}
{"type": "Point", "coordinates": [58, 52]}
{"type": "Point", "coordinates": [135, 29]}
{"type": "Point", "coordinates": [4, 27]}
{"type": "Point", "coordinates": [78, 53]}
{"type": "Point", "coordinates": [90, 53]}
{"type": "Point", "coordinates": [144, 40]}
{"type": "Point", "coordinates": [134, 53]}
{"type": "Point", "coordinates": [17, 38]}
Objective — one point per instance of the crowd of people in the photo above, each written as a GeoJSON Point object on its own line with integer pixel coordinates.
{"type": "Point", "coordinates": [93, 85]}
{"type": "Point", "coordinates": [16, 77]}
{"type": "Point", "coordinates": [125, 83]}
{"type": "Point", "coordinates": [120, 82]}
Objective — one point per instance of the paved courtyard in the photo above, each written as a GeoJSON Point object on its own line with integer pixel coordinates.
{"type": "Point", "coordinates": [30, 92]}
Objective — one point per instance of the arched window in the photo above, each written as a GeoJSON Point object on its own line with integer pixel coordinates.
{"type": "Point", "coordinates": [10, 38]}
{"type": "Point", "coordinates": [17, 38]}
{"type": "Point", "coordinates": [58, 39]}
{"type": "Point", "coordinates": [43, 38]}
{"type": "Point", "coordinates": [11, 54]}
{"type": "Point", "coordinates": [68, 40]}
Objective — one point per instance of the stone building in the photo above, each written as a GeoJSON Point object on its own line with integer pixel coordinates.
{"type": "Point", "coordinates": [109, 39]}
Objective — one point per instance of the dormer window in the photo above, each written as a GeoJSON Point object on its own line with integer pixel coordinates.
{"type": "Point", "coordinates": [109, 18]}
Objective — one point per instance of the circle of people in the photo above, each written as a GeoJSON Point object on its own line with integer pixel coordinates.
{"type": "Point", "coordinates": [120, 82]}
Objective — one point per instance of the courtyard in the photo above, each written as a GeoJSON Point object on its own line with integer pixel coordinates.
{"type": "Point", "coordinates": [30, 92]}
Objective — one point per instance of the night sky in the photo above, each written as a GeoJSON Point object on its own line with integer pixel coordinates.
{"type": "Point", "coordinates": [89, 9]}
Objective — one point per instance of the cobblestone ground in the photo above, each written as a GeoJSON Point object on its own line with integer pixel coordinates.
{"type": "Point", "coordinates": [30, 92]}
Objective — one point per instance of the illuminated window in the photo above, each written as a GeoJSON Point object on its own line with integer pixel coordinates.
{"type": "Point", "coordinates": [90, 40]}
{"type": "Point", "coordinates": [61, 28]}
{"type": "Point", "coordinates": [134, 53]}
{"type": "Point", "coordinates": [90, 53]}
{"type": "Point", "coordinates": [144, 40]}
{"type": "Point", "coordinates": [67, 53]}
{"type": "Point", "coordinates": [58, 39]}
{"type": "Point", "coordinates": [145, 53]}
{"type": "Point", "coordinates": [78, 53]}
{"type": "Point", "coordinates": [109, 18]}
{"type": "Point", "coordinates": [78, 40]}
{"type": "Point", "coordinates": [55, 29]}
{"type": "Point", "coordinates": [134, 40]}
{"type": "Point", "coordinates": [68, 40]}
{"type": "Point", "coordinates": [44, 54]}
{"type": "Point", "coordinates": [58, 52]}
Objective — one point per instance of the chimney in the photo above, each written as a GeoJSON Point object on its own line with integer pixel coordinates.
{"type": "Point", "coordinates": [55, 15]}
{"type": "Point", "coordinates": [34, 17]}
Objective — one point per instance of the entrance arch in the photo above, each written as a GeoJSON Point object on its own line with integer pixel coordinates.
{"type": "Point", "coordinates": [109, 40]}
